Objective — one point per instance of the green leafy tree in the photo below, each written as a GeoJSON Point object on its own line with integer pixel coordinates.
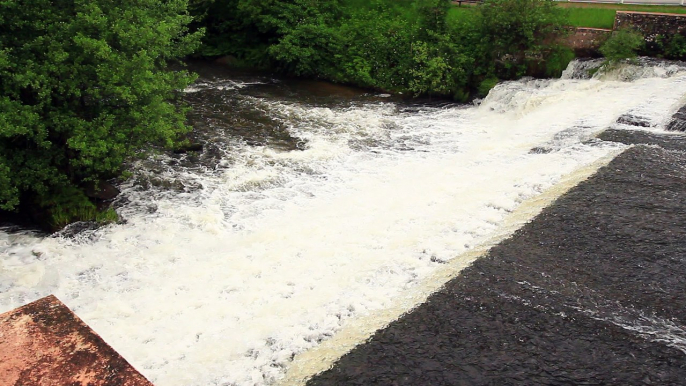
{"type": "Point", "coordinates": [440, 68]}
{"type": "Point", "coordinates": [518, 31]}
{"type": "Point", "coordinates": [432, 14]}
{"type": "Point", "coordinates": [623, 44]}
{"type": "Point", "coordinates": [83, 86]}
{"type": "Point", "coordinates": [377, 49]}
{"type": "Point", "coordinates": [675, 47]}
{"type": "Point", "coordinates": [420, 46]}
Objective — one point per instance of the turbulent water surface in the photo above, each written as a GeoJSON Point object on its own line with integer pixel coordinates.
{"type": "Point", "coordinates": [312, 206]}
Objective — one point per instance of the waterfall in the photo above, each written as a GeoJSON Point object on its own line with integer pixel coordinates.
{"type": "Point", "coordinates": [306, 214]}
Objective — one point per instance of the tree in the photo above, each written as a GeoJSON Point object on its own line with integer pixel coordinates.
{"type": "Point", "coordinates": [440, 68]}
{"type": "Point", "coordinates": [519, 30]}
{"type": "Point", "coordinates": [84, 85]}
{"type": "Point", "coordinates": [623, 44]}
{"type": "Point", "coordinates": [432, 14]}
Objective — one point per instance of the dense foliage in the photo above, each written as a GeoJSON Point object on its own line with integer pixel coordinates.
{"type": "Point", "coordinates": [417, 46]}
{"type": "Point", "coordinates": [622, 44]}
{"type": "Point", "coordinates": [519, 32]}
{"type": "Point", "coordinates": [84, 85]}
{"type": "Point", "coordinates": [667, 46]}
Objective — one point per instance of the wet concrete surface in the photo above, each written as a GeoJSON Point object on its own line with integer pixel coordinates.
{"type": "Point", "coordinates": [676, 141]}
{"type": "Point", "coordinates": [44, 344]}
{"type": "Point", "coordinates": [591, 292]}
{"type": "Point", "coordinates": [678, 121]}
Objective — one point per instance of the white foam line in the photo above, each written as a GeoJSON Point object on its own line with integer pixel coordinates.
{"type": "Point", "coordinates": [652, 328]}
{"type": "Point", "coordinates": [657, 330]}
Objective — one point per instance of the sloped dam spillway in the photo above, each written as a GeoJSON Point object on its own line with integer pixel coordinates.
{"type": "Point", "coordinates": [315, 215]}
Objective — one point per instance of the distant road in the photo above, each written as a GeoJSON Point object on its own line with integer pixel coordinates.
{"type": "Point", "coordinates": [644, 2]}
{"type": "Point", "coordinates": [633, 2]}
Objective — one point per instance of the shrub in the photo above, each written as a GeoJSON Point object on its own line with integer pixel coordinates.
{"type": "Point", "coordinates": [486, 85]}
{"type": "Point", "coordinates": [517, 31]}
{"type": "Point", "coordinates": [557, 61]}
{"type": "Point", "coordinates": [84, 85]}
{"type": "Point", "coordinates": [623, 44]}
{"type": "Point", "coordinates": [672, 47]}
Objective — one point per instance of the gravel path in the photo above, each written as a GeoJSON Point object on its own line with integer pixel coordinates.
{"type": "Point", "coordinates": [593, 291]}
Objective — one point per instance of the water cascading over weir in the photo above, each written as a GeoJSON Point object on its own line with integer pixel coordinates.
{"type": "Point", "coordinates": [311, 220]}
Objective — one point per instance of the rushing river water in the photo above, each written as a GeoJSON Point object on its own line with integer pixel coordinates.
{"type": "Point", "coordinates": [312, 207]}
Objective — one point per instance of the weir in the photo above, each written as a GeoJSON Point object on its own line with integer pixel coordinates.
{"type": "Point", "coordinates": [307, 214]}
{"type": "Point", "coordinates": [589, 292]}
{"type": "Point", "coordinates": [324, 356]}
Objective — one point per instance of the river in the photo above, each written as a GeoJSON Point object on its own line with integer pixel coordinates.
{"type": "Point", "coordinates": [315, 208]}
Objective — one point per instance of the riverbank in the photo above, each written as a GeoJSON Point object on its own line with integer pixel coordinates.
{"type": "Point", "coordinates": [590, 292]}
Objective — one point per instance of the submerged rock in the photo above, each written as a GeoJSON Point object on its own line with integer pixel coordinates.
{"type": "Point", "coordinates": [196, 147]}
{"type": "Point", "coordinates": [641, 137]}
{"type": "Point", "coordinates": [540, 150]}
{"type": "Point", "coordinates": [102, 191]}
{"type": "Point", "coordinates": [633, 120]}
{"type": "Point", "coordinates": [678, 121]}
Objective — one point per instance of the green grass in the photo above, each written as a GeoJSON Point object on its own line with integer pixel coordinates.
{"type": "Point", "coordinates": [628, 7]}
{"type": "Point", "coordinates": [455, 14]}
{"type": "Point", "coordinates": [584, 14]}
{"type": "Point", "coordinates": [591, 17]}
{"type": "Point", "coordinates": [603, 15]}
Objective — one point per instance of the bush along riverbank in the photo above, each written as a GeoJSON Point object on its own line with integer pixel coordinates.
{"type": "Point", "coordinates": [416, 47]}
{"type": "Point", "coordinates": [83, 88]}
{"type": "Point", "coordinates": [421, 47]}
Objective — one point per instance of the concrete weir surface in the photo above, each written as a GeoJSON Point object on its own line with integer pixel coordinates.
{"type": "Point", "coordinates": [591, 292]}
{"type": "Point", "coordinates": [44, 344]}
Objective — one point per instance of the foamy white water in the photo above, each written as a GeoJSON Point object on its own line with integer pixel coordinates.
{"type": "Point", "coordinates": [275, 251]}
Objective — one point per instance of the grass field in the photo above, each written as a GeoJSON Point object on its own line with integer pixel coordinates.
{"type": "Point", "coordinates": [603, 15]}
{"type": "Point", "coordinates": [587, 15]}
{"type": "Point", "coordinates": [591, 17]}
{"type": "Point", "coordinates": [457, 13]}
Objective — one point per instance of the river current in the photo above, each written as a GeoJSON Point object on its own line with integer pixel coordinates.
{"type": "Point", "coordinates": [313, 207]}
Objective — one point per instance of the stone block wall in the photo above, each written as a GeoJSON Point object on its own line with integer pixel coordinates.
{"type": "Point", "coordinates": [651, 24]}
{"type": "Point", "coordinates": [586, 41]}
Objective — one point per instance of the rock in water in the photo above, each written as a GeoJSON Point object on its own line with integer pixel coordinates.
{"type": "Point", "coordinates": [678, 121]}
{"type": "Point", "coordinates": [196, 147]}
{"type": "Point", "coordinates": [103, 191]}
{"type": "Point", "coordinates": [633, 120]}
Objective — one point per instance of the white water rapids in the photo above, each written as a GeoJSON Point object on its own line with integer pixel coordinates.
{"type": "Point", "coordinates": [276, 251]}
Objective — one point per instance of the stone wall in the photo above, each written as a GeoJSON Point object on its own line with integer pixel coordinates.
{"type": "Point", "coordinates": [586, 41]}
{"type": "Point", "coordinates": [651, 24]}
